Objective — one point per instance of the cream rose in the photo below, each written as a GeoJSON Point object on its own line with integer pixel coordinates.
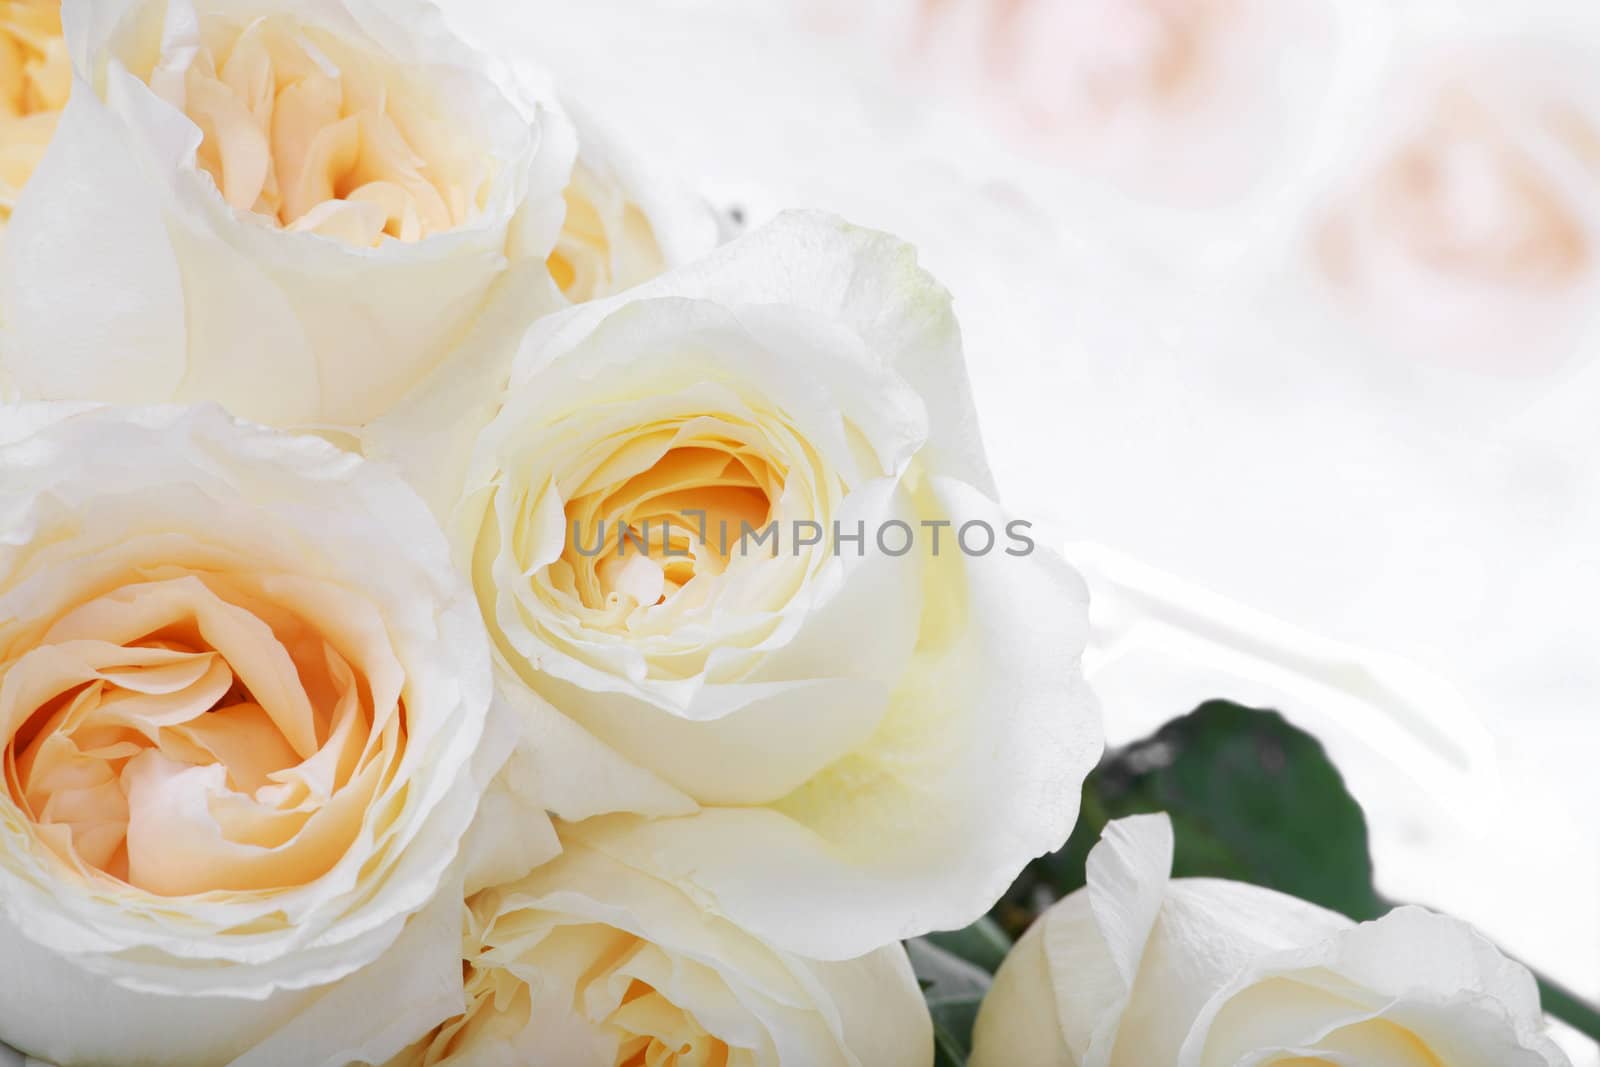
{"type": "Point", "coordinates": [1138, 970]}
{"type": "Point", "coordinates": [869, 738]}
{"type": "Point", "coordinates": [295, 209]}
{"type": "Point", "coordinates": [589, 962]}
{"type": "Point", "coordinates": [625, 222]}
{"type": "Point", "coordinates": [242, 694]}
{"type": "Point", "coordinates": [35, 78]}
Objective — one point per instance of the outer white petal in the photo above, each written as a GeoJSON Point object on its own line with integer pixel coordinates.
{"type": "Point", "coordinates": [378, 1011]}
{"type": "Point", "coordinates": [561, 767]}
{"type": "Point", "coordinates": [94, 1020]}
{"type": "Point", "coordinates": [1434, 975]}
{"type": "Point", "coordinates": [429, 434]}
{"type": "Point", "coordinates": [547, 762]}
{"type": "Point", "coordinates": [90, 187]}
{"type": "Point", "coordinates": [507, 838]}
{"type": "Point", "coordinates": [1207, 931]}
{"type": "Point", "coordinates": [1019, 1023]}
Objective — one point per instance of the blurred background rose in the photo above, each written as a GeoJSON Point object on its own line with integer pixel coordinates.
{"type": "Point", "coordinates": [1293, 301]}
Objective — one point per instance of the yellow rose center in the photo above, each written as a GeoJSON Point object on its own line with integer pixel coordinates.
{"type": "Point", "coordinates": [316, 135]}
{"type": "Point", "coordinates": [646, 1027]}
{"type": "Point", "coordinates": [643, 537]}
{"type": "Point", "coordinates": [654, 1032]}
{"type": "Point", "coordinates": [35, 80]}
{"type": "Point", "coordinates": [190, 731]}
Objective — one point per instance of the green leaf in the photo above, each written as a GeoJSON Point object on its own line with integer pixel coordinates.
{"type": "Point", "coordinates": [954, 989]}
{"type": "Point", "coordinates": [983, 944]}
{"type": "Point", "coordinates": [1252, 799]}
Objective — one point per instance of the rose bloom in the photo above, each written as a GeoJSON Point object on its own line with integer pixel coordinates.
{"type": "Point", "coordinates": [625, 221]}
{"type": "Point", "coordinates": [864, 744]}
{"type": "Point", "coordinates": [35, 78]}
{"type": "Point", "coordinates": [589, 961]}
{"type": "Point", "coordinates": [1464, 232]}
{"type": "Point", "coordinates": [241, 699]}
{"type": "Point", "coordinates": [294, 210]}
{"type": "Point", "coordinates": [1138, 969]}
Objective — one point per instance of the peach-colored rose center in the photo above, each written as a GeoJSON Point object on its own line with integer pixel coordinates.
{"type": "Point", "coordinates": [191, 731]}
{"type": "Point", "coordinates": [592, 963]}
{"type": "Point", "coordinates": [655, 1032]}
{"type": "Point", "coordinates": [633, 535]}
{"type": "Point", "coordinates": [319, 136]}
{"type": "Point", "coordinates": [35, 79]}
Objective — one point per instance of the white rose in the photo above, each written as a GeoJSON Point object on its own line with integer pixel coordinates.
{"type": "Point", "coordinates": [873, 741]}
{"type": "Point", "coordinates": [35, 78]}
{"type": "Point", "coordinates": [626, 222]}
{"type": "Point", "coordinates": [589, 962]}
{"type": "Point", "coordinates": [295, 209]}
{"type": "Point", "coordinates": [1138, 970]}
{"type": "Point", "coordinates": [242, 693]}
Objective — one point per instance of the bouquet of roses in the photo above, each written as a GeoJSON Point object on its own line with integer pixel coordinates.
{"type": "Point", "coordinates": [461, 603]}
